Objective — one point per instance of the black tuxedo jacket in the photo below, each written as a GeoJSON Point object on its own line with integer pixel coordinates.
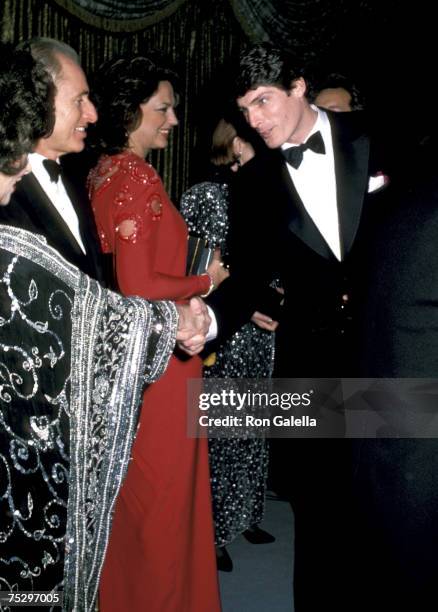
{"type": "Point", "coordinates": [400, 318]}
{"type": "Point", "coordinates": [397, 479]}
{"type": "Point", "coordinates": [30, 208]}
{"type": "Point", "coordinates": [272, 236]}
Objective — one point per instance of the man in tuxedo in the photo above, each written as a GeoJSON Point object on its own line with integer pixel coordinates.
{"type": "Point", "coordinates": [300, 213]}
{"type": "Point", "coordinates": [48, 201]}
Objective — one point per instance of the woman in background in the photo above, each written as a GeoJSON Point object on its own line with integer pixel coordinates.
{"type": "Point", "coordinates": [238, 466]}
{"type": "Point", "coordinates": [161, 556]}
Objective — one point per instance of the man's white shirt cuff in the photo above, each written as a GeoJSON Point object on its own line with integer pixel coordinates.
{"type": "Point", "coordinates": [212, 330]}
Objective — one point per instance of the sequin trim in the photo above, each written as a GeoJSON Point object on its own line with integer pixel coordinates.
{"type": "Point", "coordinates": [75, 450]}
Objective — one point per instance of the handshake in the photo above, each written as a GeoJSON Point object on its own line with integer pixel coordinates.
{"type": "Point", "coordinates": [193, 325]}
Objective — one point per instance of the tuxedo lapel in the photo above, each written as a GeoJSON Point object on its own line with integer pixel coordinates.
{"type": "Point", "coordinates": [47, 220]}
{"type": "Point", "coordinates": [85, 215]}
{"type": "Point", "coordinates": [31, 209]}
{"type": "Point", "coordinates": [300, 222]}
{"type": "Point", "coordinates": [351, 154]}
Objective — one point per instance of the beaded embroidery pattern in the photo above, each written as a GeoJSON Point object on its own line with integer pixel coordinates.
{"type": "Point", "coordinates": [136, 170]}
{"type": "Point", "coordinates": [73, 362]}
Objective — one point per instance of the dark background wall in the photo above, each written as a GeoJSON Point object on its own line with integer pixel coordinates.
{"type": "Point", "coordinates": [387, 46]}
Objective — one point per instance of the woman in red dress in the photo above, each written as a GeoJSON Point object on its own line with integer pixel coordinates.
{"type": "Point", "coordinates": [160, 556]}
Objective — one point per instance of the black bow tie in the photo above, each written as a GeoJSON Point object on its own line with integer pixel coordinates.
{"type": "Point", "coordinates": [53, 169]}
{"type": "Point", "coordinates": [294, 155]}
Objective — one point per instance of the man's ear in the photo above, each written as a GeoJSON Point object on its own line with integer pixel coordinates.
{"type": "Point", "coordinates": [298, 87]}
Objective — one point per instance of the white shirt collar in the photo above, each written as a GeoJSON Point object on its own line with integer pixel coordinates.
{"type": "Point", "coordinates": [57, 194]}
{"type": "Point", "coordinates": [321, 124]}
{"type": "Point", "coordinates": [36, 163]}
{"type": "Point", "coordinates": [319, 197]}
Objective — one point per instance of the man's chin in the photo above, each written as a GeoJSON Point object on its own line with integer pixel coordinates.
{"type": "Point", "coordinates": [271, 143]}
{"type": "Point", "coordinates": [79, 146]}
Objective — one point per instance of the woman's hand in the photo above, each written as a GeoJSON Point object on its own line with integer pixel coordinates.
{"type": "Point", "coordinates": [217, 270]}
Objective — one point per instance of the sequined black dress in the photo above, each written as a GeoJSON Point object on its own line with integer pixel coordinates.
{"type": "Point", "coordinates": [73, 361]}
{"type": "Point", "coordinates": [238, 467]}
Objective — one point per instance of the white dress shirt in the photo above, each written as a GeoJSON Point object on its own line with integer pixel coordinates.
{"type": "Point", "coordinates": [57, 195]}
{"type": "Point", "coordinates": [315, 182]}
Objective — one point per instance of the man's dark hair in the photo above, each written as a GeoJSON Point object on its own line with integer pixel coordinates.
{"type": "Point", "coordinates": [264, 64]}
{"type": "Point", "coordinates": [335, 80]}
{"type": "Point", "coordinates": [121, 85]}
{"type": "Point", "coordinates": [27, 106]}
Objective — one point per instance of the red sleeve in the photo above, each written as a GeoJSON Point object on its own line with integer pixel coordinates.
{"type": "Point", "coordinates": [137, 248]}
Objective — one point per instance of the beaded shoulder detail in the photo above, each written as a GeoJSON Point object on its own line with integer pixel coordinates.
{"type": "Point", "coordinates": [129, 165]}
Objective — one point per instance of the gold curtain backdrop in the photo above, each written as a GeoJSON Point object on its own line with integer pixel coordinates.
{"type": "Point", "coordinates": [199, 36]}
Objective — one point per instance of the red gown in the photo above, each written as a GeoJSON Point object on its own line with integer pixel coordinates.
{"type": "Point", "coordinates": [160, 556]}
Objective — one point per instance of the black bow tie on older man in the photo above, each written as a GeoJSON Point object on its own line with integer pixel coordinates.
{"type": "Point", "coordinates": [294, 155]}
{"type": "Point", "coordinates": [53, 169]}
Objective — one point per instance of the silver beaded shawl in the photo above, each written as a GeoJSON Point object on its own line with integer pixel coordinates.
{"type": "Point", "coordinates": [74, 358]}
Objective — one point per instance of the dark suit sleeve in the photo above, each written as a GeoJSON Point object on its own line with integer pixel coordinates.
{"type": "Point", "coordinates": [100, 266]}
{"type": "Point", "coordinates": [247, 289]}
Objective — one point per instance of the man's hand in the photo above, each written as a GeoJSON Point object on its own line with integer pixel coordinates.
{"type": "Point", "coordinates": [264, 322]}
{"type": "Point", "coordinates": [193, 324]}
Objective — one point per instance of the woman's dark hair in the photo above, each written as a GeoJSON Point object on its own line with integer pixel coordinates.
{"type": "Point", "coordinates": [27, 106]}
{"type": "Point", "coordinates": [121, 85]}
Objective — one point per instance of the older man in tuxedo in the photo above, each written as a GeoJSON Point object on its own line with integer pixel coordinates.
{"type": "Point", "coordinates": [48, 201]}
{"type": "Point", "coordinates": [301, 214]}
